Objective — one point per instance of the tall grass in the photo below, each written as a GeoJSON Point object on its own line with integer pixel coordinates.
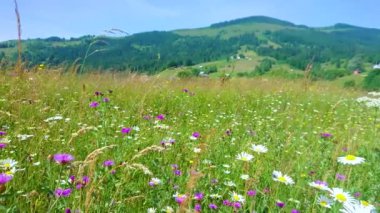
{"type": "Point", "coordinates": [275, 113]}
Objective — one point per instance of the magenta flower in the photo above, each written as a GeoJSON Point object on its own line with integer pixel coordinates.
{"type": "Point", "coordinates": [280, 204]}
{"type": "Point", "coordinates": [97, 93]}
{"type": "Point", "coordinates": [197, 207]}
{"type": "Point", "coordinates": [326, 135]}
{"type": "Point", "coordinates": [72, 179]}
{"type": "Point", "coordinates": [251, 193]}
{"type": "Point", "coordinates": [195, 136]}
{"type": "Point", "coordinates": [4, 178]}
{"type": "Point", "coordinates": [213, 206]}
{"type": "Point", "coordinates": [3, 145]}
{"type": "Point", "coordinates": [357, 194]}
{"type": "Point", "coordinates": [227, 203]}
{"type": "Point", "coordinates": [106, 100]}
{"type": "Point", "coordinates": [177, 172]}
{"type": "Point", "coordinates": [198, 196]}
{"type": "Point", "coordinates": [236, 205]}
{"type": "Point", "coordinates": [62, 192]}
{"type": "Point", "coordinates": [2, 133]}
{"type": "Point", "coordinates": [185, 90]}
{"type": "Point", "coordinates": [340, 177]}
{"type": "Point", "coordinates": [126, 130]}
{"type": "Point", "coordinates": [160, 117]}
{"type": "Point", "coordinates": [94, 104]}
{"type": "Point", "coordinates": [108, 163]}
{"type": "Point", "coordinates": [63, 158]}
{"type": "Point", "coordinates": [179, 198]}
{"type": "Point", "coordinates": [295, 211]}
{"type": "Point", "coordinates": [67, 210]}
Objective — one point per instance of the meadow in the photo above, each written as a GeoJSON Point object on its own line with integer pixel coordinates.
{"type": "Point", "coordinates": [127, 143]}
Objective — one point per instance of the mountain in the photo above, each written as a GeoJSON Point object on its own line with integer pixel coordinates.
{"type": "Point", "coordinates": [152, 52]}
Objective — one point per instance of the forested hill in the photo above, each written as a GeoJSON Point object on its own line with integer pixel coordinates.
{"type": "Point", "coordinates": [152, 52]}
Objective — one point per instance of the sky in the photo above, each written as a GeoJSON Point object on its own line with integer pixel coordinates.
{"type": "Point", "coordinates": [74, 18]}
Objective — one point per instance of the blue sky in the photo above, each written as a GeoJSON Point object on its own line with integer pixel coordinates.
{"type": "Point", "coordinates": [73, 18]}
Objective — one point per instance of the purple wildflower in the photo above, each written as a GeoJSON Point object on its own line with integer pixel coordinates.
{"type": "Point", "coordinates": [2, 133]}
{"type": "Point", "coordinates": [196, 134]}
{"type": "Point", "coordinates": [72, 179]}
{"type": "Point", "coordinates": [97, 93]}
{"type": "Point", "coordinates": [180, 198]}
{"type": "Point", "coordinates": [185, 90]}
{"type": "Point", "coordinates": [108, 163]}
{"type": "Point", "coordinates": [227, 203]}
{"type": "Point", "coordinates": [340, 177]}
{"type": "Point", "coordinates": [295, 211]}
{"type": "Point", "coordinates": [213, 206]}
{"type": "Point", "coordinates": [106, 100]}
{"type": "Point", "coordinates": [320, 182]}
{"type": "Point", "coordinates": [251, 193]}
{"type": "Point", "coordinates": [280, 204]}
{"type": "Point", "coordinates": [63, 158]}
{"type": "Point", "coordinates": [177, 172]}
{"type": "Point", "coordinates": [228, 132]}
{"type": "Point", "coordinates": [85, 180]}
{"type": "Point", "coordinates": [67, 210]}
{"type": "Point", "coordinates": [160, 117]}
{"type": "Point", "coordinates": [126, 130]}
{"type": "Point", "coordinates": [357, 194]}
{"type": "Point", "coordinates": [94, 104]}
{"type": "Point", "coordinates": [344, 149]}
{"type": "Point", "coordinates": [198, 196]}
{"type": "Point", "coordinates": [146, 117]}
{"type": "Point", "coordinates": [236, 205]}
{"type": "Point", "coordinates": [4, 178]}
{"type": "Point", "coordinates": [79, 186]}
{"type": "Point", "coordinates": [3, 145]}
{"type": "Point", "coordinates": [197, 207]}
{"type": "Point", "coordinates": [62, 192]}
{"type": "Point", "coordinates": [326, 135]}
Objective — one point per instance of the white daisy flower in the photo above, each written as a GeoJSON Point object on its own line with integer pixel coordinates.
{"type": "Point", "coordinates": [319, 185]}
{"type": "Point", "coordinates": [151, 210]}
{"type": "Point", "coordinates": [24, 137]}
{"type": "Point", "coordinates": [229, 183]}
{"type": "Point", "coordinates": [155, 182]}
{"type": "Point", "coordinates": [341, 196]}
{"type": "Point", "coordinates": [357, 207]}
{"type": "Point", "coordinates": [325, 202]}
{"type": "Point", "coordinates": [8, 164]}
{"type": "Point", "coordinates": [351, 160]}
{"type": "Point", "coordinates": [278, 176]}
{"type": "Point", "coordinates": [197, 150]}
{"type": "Point", "coordinates": [244, 177]}
{"type": "Point", "coordinates": [215, 196]}
{"type": "Point", "coordinates": [237, 198]}
{"type": "Point", "coordinates": [244, 157]}
{"type": "Point", "coordinates": [259, 148]}
{"type": "Point", "coordinates": [54, 118]}
{"type": "Point", "coordinates": [168, 209]}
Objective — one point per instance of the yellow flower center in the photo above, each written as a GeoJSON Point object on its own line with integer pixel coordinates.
{"type": "Point", "coordinates": [282, 179]}
{"type": "Point", "coordinates": [364, 203]}
{"type": "Point", "coordinates": [7, 165]}
{"type": "Point", "coordinates": [350, 157]}
{"type": "Point", "coordinates": [244, 159]}
{"type": "Point", "coordinates": [341, 198]}
{"type": "Point", "coordinates": [236, 197]}
{"type": "Point", "coordinates": [323, 203]}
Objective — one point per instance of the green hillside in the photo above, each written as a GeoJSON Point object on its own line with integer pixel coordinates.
{"type": "Point", "coordinates": [340, 47]}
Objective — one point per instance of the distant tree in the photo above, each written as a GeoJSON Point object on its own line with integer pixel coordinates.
{"type": "Point", "coordinates": [372, 81]}
{"type": "Point", "coordinates": [356, 63]}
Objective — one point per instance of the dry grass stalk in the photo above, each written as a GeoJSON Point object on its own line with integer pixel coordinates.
{"type": "Point", "coordinates": [153, 148]}
{"type": "Point", "coordinates": [80, 131]}
{"type": "Point", "coordinates": [19, 47]}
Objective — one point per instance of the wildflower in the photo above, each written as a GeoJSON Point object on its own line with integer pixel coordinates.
{"type": "Point", "coordinates": [244, 157]}
{"type": "Point", "coordinates": [62, 192]}
{"type": "Point", "coordinates": [179, 198]}
{"type": "Point", "coordinates": [146, 117]}
{"type": "Point", "coordinates": [295, 211]}
{"type": "Point", "coordinates": [2, 133]}
{"type": "Point", "coordinates": [108, 163]}
{"type": "Point", "coordinates": [151, 210]}
{"type": "Point", "coordinates": [126, 130]}
{"type": "Point", "coordinates": [106, 100]}
{"type": "Point", "coordinates": [324, 202]}
{"type": "Point", "coordinates": [280, 204]}
{"type": "Point", "coordinates": [168, 209]}
{"type": "Point", "coordinates": [3, 145]}
{"type": "Point", "coordinates": [197, 207]}
{"type": "Point", "coordinates": [198, 196]}
{"type": "Point", "coordinates": [197, 150]}
{"type": "Point", "coordinates": [24, 137]}
{"type": "Point", "coordinates": [357, 194]}
{"type": "Point", "coordinates": [154, 182]}
{"type": "Point", "coordinates": [97, 93]}
{"type": "Point", "coordinates": [341, 196]}
{"type": "Point", "coordinates": [259, 148]}
{"type": "Point", "coordinates": [67, 210]}
{"type": "Point", "coordinates": [63, 158]}
{"type": "Point", "coordinates": [177, 172]}
{"type": "Point", "coordinates": [236, 205]}
{"type": "Point", "coordinates": [8, 164]}
{"type": "Point", "coordinates": [160, 117]}
{"type": "Point", "coordinates": [251, 193]}
{"type": "Point", "coordinates": [351, 160]}
{"type": "Point", "coordinates": [319, 185]}
{"type": "Point", "coordinates": [94, 104]}
{"type": "Point", "coordinates": [227, 203]}
{"type": "Point", "coordinates": [185, 90]}
{"type": "Point", "coordinates": [215, 196]}
{"type": "Point", "coordinates": [340, 177]}
{"type": "Point", "coordinates": [244, 177]}
{"type": "Point", "coordinates": [54, 118]}
{"type": "Point", "coordinates": [357, 207]}
{"type": "Point", "coordinates": [229, 183]}
{"type": "Point", "coordinates": [213, 206]}
{"type": "Point", "coordinates": [237, 198]}
{"type": "Point", "coordinates": [278, 176]}
{"type": "Point", "coordinates": [195, 136]}
{"type": "Point", "coordinates": [326, 135]}
{"type": "Point", "coordinates": [4, 178]}
{"type": "Point", "coordinates": [228, 132]}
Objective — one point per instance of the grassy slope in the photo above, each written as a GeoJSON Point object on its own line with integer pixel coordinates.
{"type": "Point", "coordinates": [276, 113]}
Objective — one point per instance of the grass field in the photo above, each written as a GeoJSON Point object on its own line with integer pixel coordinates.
{"type": "Point", "coordinates": [145, 143]}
